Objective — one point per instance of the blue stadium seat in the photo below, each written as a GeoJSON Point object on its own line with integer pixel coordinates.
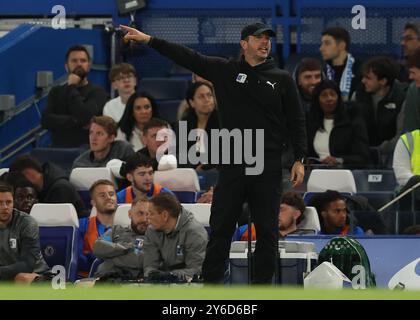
{"type": "Point", "coordinates": [186, 196]}
{"type": "Point", "coordinates": [374, 180]}
{"type": "Point", "coordinates": [62, 157]}
{"type": "Point", "coordinates": [208, 178]}
{"type": "Point", "coordinates": [168, 110]}
{"type": "Point", "coordinates": [164, 88]}
{"type": "Point", "coordinates": [58, 226]}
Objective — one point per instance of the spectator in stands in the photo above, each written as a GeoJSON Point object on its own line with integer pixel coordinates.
{"type": "Point", "coordinates": [152, 143]}
{"type": "Point", "coordinates": [381, 98]}
{"type": "Point", "coordinates": [412, 103]}
{"type": "Point", "coordinates": [175, 246]}
{"type": "Point", "coordinates": [335, 136]}
{"type": "Point", "coordinates": [290, 216]}
{"type": "Point", "coordinates": [340, 65]}
{"type": "Point", "coordinates": [412, 230]}
{"type": "Point", "coordinates": [138, 170]}
{"type": "Point", "coordinates": [141, 107]}
{"type": "Point", "coordinates": [407, 163]}
{"type": "Point", "coordinates": [308, 74]}
{"type": "Point", "coordinates": [333, 214]}
{"type": "Point", "coordinates": [49, 181]}
{"type": "Point", "coordinates": [410, 41]}
{"type": "Point", "coordinates": [201, 116]}
{"type": "Point", "coordinates": [104, 199]}
{"type": "Point", "coordinates": [123, 79]}
{"type": "Point", "coordinates": [103, 147]}
{"type": "Point", "coordinates": [20, 256]}
{"type": "Point", "coordinates": [183, 106]}
{"type": "Point", "coordinates": [121, 248]}
{"type": "Point", "coordinates": [71, 106]}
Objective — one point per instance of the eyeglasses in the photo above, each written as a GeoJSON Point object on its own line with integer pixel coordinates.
{"type": "Point", "coordinates": [124, 77]}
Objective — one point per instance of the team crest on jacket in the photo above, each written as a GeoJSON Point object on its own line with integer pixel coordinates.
{"type": "Point", "coordinates": [241, 77]}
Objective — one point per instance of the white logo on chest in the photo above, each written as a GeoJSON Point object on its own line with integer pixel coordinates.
{"type": "Point", "coordinates": [271, 84]}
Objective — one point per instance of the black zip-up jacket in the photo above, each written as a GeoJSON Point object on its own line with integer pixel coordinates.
{"type": "Point", "coordinates": [264, 97]}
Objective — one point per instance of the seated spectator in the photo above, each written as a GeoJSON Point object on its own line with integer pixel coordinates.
{"type": "Point", "coordinates": [308, 74]}
{"type": "Point", "coordinates": [103, 146]}
{"type": "Point", "coordinates": [183, 106]}
{"type": "Point", "coordinates": [49, 181]}
{"type": "Point", "coordinates": [175, 246]}
{"type": "Point", "coordinates": [141, 107]}
{"type": "Point", "coordinates": [407, 164]}
{"type": "Point", "coordinates": [21, 256]}
{"type": "Point", "coordinates": [340, 65]}
{"type": "Point", "coordinates": [151, 142]}
{"type": "Point", "coordinates": [124, 80]}
{"type": "Point", "coordinates": [121, 248]}
{"type": "Point", "coordinates": [412, 102]}
{"type": "Point", "coordinates": [291, 212]}
{"type": "Point", "coordinates": [412, 230]}
{"type": "Point", "coordinates": [335, 136]}
{"type": "Point", "coordinates": [201, 116]}
{"type": "Point", "coordinates": [71, 106]}
{"type": "Point", "coordinates": [104, 199]}
{"type": "Point", "coordinates": [410, 41]}
{"type": "Point", "coordinates": [381, 98]}
{"type": "Point", "coordinates": [139, 172]}
{"type": "Point", "coordinates": [333, 215]}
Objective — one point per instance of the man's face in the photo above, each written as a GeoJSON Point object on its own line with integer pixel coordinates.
{"type": "Point", "coordinates": [34, 177]}
{"type": "Point", "coordinates": [25, 198]}
{"type": "Point", "coordinates": [104, 198]}
{"type": "Point", "coordinates": [152, 143]}
{"type": "Point", "coordinates": [157, 219]}
{"type": "Point", "coordinates": [139, 217]}
{"type": "Point", "coordinates": [308, 81]}
{"type": "Point", "coordinates": [335, 215]}
{"type": "Point", "coordinates": [78, 63]}
{"type": "Point", "coordinates": [372, 83]}
{"type": "Point", "coordinates": [287, 216]}
{"type": "Point", "coordinates": [99, 139]}
{"type": "Point", "coordinates": [125, 83]}
{"type": "Point", "coordinates": [256, 48]}
{"type": "Point", "coordinates": [6, 207]}
{"type": "Point", "coordinates": [330, 49]}
{"type": "Point", "coordinates": [410, 41]}
{"type": "Point", "coordinates": [415, 75]}
{"type": "Point", "coordinates": [141, 178]}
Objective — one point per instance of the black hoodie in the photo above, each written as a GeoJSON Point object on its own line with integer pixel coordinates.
{"type": "Point", "coordinates": [259, 97]}
{"type": "Point", "coordinates": [57, 189]}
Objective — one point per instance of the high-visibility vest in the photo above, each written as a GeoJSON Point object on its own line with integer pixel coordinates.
{"type": "Point", "coordinates": [412, 143]}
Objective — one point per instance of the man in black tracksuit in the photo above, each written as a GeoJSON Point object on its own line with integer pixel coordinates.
{"type": "Point", "coordinates": [251, 94]}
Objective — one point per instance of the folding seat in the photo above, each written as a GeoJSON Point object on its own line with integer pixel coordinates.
{"type": "Point", "coordinates": [321, 180]}
{"type": "Point", "coordinates": [374, 180]}
{"type": "Point", "coordinates": [62, 157]}
{"type": "Point", "coordinates": [3, 170]}
{"type": "Point", "coordinates": [121, 215]}
{"type": "Point", "coordinates": [83, 178]}
{"type": "Point", "coordinates": [58, 225]}
{"type": "Point", "coordinates": [201, 212]}
{"type": "Point", "coordinates": [183, 182]}
{"type": "Point", "coordinates": [168, 110]}
{"type": "Point", "coordinates": [311, 220]}
{"type": "Point", "coordinates": [208, 178]}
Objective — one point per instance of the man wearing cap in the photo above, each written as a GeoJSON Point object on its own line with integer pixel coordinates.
{"type": "Point", "coordinates": [253, 94]}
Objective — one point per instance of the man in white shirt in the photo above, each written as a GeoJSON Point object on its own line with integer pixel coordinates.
{"type": "Point", "coordinates": [123, 79]}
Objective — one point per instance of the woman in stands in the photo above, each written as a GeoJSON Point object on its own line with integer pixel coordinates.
{"type": "Point", "coordinates": [141, 107]}
{"type": "Point", "coordinates": [201, 114]}
{"type": "Point", "coordinates": [336, 135]}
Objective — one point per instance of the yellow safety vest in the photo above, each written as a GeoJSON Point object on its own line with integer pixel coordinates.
{"type": "Point", "coordinates": [412, 143]}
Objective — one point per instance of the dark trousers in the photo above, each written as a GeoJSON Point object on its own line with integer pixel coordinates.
{"type": "Point", "coordinates": [263, 195]}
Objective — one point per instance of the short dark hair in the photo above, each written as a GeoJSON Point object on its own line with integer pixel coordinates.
{"type": "Point", "coordinates": [321, 201]}
{"type": "Point", "coordinates": [339, 34]}
{"type": "Point", "coordinates": [100, 182]}
{"type": "Point", "coordinates": [383, 68]}
{"type": "Point", "coordinates": [135, 161]}
{"type": "Point", "coordinates": [17, 180]}
{"type": "Point", "coordinates": [167, 201]}
{"type": "Point", "coordinates": [295, 200]}
{"type": "Point", "coordinates": [189, 94]}
{"type": "Point", "coordinates": [414, 59]}
{"type": "Point", "coordinates": [77, 47]}
{"type": "Point", "coordinates": [121, 68]}
{"type": "Point", "coordinates": [109, 124]}
{"type": "Point", "coordinates": [308, 64]}
{"type": "Point", "coordinates": [4, 187]}
{"type": "Point", "coordinates": [25, 162]}
{"type": "Point", "coordinates": [415, 26]}
{"type": "Point", "coordinates": [154, 123]}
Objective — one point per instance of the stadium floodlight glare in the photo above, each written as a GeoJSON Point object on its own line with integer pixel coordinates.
{"type": "Point", "coordinates": [128, 6]}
